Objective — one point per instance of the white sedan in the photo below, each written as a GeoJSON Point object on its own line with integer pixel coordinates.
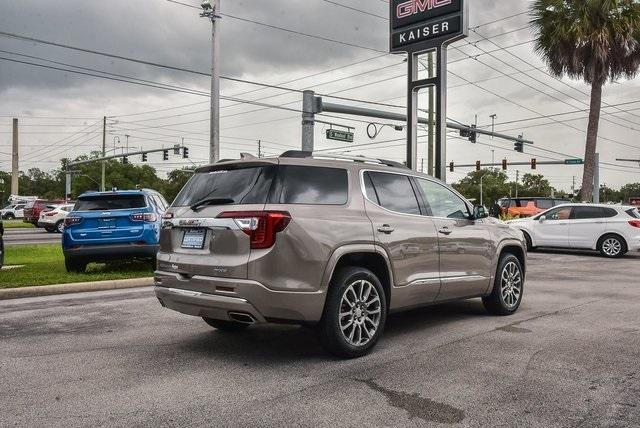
{"type": "Point", "coordinates": [613, 230]}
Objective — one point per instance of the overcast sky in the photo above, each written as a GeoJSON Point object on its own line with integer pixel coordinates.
{"type": "Point", "coordinates": [61, 112]}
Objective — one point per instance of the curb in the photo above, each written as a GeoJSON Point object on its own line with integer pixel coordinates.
{"type": "Point", "coordinates": [78, 287]}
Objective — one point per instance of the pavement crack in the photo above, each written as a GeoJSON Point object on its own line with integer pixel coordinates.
{"type": "Point", "coordinates": [417, 406]}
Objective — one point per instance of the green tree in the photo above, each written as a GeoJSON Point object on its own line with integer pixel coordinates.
{"type": "Point", "coordinates": [593, 40]}
{"type": "Point", "coordinates": [494, 186]}
{"type": "Point", "coordinates": [535, 185]}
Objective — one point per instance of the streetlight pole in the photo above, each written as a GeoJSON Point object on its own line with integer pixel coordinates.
{"type": "Point", "coordinates": [211, 10]}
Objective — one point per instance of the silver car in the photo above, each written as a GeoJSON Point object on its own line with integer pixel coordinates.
{"type": "Point", "coordinates": [333, 242]}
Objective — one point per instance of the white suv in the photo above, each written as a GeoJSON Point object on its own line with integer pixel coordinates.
{"type": "Point", "coordinates": [53, 219]}
{"type": "Point", "coordinates": [613, 230]}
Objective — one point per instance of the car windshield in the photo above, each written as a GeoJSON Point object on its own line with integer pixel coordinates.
{"type": "Point", "coordinates": [242, 186]}
{"type": "Point", "coordinates": [633, 212]}
{"type": "Point", "coordinates": [110, 202]}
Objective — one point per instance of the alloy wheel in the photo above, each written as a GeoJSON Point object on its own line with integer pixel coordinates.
{"type": "Point", "coordinates": [360, 312]}
{"type": "Point", "coordinates": [612, 247]}
{"type": "Point", "coordinates": [511, 285]}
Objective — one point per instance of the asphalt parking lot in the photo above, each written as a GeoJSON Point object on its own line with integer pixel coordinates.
{"type": "Point", "coordinates": [569, 357]}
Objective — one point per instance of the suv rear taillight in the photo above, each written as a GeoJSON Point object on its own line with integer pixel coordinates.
{"type": "Point", "coordinates": [635, 223]}
{"type": "Point", "coordinates": [260, 226]}
{"type": "Point", "coordinates": [50, 213]}
{"type": "Point", "coordinates": [70, 221]}
{"type": "Point", "coordinates": [148, 217]}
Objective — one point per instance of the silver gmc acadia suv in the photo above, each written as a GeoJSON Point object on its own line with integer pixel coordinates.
{"type": "Point", "coordinates": [332, 242]}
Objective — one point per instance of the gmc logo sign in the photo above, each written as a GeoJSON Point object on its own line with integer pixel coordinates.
{"type": "Point", "coordinates": [412, 7]}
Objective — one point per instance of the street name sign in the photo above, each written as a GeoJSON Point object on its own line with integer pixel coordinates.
{"type": "Point", "coordinates": [574, 162]}
{"type": "Point", "coordinates": [338, 135]}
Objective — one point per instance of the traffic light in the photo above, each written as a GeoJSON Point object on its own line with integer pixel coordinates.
{"type": "Point", "coordinates": [125, 160]}
{"type": "Point", "coordinates": [519, 147]}
{"type": "Point", "coordinates": [176, 149]}
{"type": "Point", "coordinates": [185, 152]}
{"type": "Point", "coordinates": [144, 157]}
{"type": "Point", "coordinates": [451, 167]}
{"type": "Point", "coordinates": [534, 163]}
{"type": "Point", "coordinates": [165, 155]}
{"type": "Point", "coordinates": [478, 166]}
{"type": "Point", "coordinates": [504, 164]}
{"type": "Point", "coordinates": [473, 136]}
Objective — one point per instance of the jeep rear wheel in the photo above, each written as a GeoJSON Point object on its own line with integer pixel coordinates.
{"type": "Point", "coordinates": [508, 287]}
{"type": "Point", "coordinates": [229, 326]}
{"type": "Point", "coordinates": [10, 216]}
{"type": "Point", "coordinates": [355, 313]}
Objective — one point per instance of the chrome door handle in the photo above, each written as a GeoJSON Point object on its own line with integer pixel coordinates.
{"type": "Point", "coordinates": [445, 231]}
{"type": "Point", "coordinates": [385, 228]}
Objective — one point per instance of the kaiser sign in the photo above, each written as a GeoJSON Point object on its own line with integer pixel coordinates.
{"type": "Point", "coordinates": [419, 25]}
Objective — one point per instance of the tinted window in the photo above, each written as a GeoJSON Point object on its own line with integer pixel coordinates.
{"type": "Point", "coordinates": [370, 190]}
{"type": "Point", "coordinates": [313, 185]}
{"type": "Point", "coordinates": [242, 186]}
{"type": "Point", "coordinates": [395, 192]}
{"type": "Point", "coordinates": [633, 213]}
{"type": "Point", "coordinates": [442, 201]}
{"type": "Point", "coordinates": [610, 212]}
{"type": "Point", "coordinates": [110, 202]}
{"type": "Point", "coordinates": [545, 204]}
{"type": "Point", "coordinates": [585, 213]}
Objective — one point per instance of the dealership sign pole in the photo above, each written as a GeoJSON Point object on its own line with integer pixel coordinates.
{"type": "Point", "coordinates": [419, 27]}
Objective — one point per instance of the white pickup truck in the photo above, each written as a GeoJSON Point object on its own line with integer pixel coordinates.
{"type": "Point", "coordinates": [12, 211]}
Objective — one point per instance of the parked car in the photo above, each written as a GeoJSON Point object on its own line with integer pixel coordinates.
{"type": "Point", "coordinates": [1, 244]}
{"type": "Point", "coordinates": [12, 211]}
{"type": "Point", "coordinates": [613, 230]}
{"type": "Point", "coordinates": [634, 202]}
{"type": "Point", "coordinates": [333, 243]}
{"type": "Point", "coordinates": [527, 207]}
{"type": "Point", "coordinates": [52, 217]}
{"type": "Point", "coordinates": [32, 209]}
{"type": "Point", "coordinates": [118, 225]}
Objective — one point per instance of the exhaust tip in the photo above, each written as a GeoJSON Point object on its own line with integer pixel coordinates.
{"type": "Point", "coordinates": [242, 317]}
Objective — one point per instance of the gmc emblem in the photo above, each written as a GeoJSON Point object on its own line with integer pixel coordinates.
{"type": "Point", "coordinates": [412, 7]}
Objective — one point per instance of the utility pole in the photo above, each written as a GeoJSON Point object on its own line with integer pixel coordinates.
{"type": "Point", "coordinates": [211, 10]}
{"type": "Point", "coordinates": [126, 139]}
{"type": "Point", "coordinates": [573, 187]}
{"type": "Point", "coordinates": [481, 191]}
{"type": "Point", "coordinates": [104, 153]}
{"type": "Point", "coordinates": [431, 116]}
{"type": "Point", "coordinates": [308, 120]}
{"type": "Point", "coordinates": [493, 123]}
{"type": "Point", "coordinates": [259, 148]}
{"type": "Point", "coordinates": [15, 189]}
{"type": "Point", "coordinates": [422, 165]}
{"type": "Point", "coordinates": [517, 179]}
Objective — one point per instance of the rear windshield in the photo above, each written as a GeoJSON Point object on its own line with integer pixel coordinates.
{"type": "Point", "coordinates": [242, 186]}
{"type": "Point", "coordinates": [634, 213]}
{"type": "Point", "coordinates": [110, 202]}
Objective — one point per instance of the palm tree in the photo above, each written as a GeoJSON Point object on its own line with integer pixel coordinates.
{"type": "Point", "coordinates": [593, 40]}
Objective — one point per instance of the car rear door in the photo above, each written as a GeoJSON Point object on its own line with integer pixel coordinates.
{"type": "Point", "coordinates": [588, 223]}
{"type": "Point", "coordinates": [466, 246]}
{"type": "Point", "coordinates": [553, 231]}
{"type": "Point", "coordinates": [408, 236]}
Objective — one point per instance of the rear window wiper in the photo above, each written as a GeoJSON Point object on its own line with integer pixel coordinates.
{"type": "Point", "coordinates": [212, 201]}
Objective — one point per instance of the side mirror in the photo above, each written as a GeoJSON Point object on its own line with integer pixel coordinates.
{"type": "Point", "coordinates": [542, 218]}
{"type": "Point", "coordinates": [480, 212]}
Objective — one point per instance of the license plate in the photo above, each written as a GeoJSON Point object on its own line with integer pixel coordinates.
{"type": "Point", "coordinates": [107, 223]}
{"type": "Point", "coordinates": [194, 239]}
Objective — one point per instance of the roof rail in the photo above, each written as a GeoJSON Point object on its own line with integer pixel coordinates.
{"type": "Point", "coordinates": [302, 155]}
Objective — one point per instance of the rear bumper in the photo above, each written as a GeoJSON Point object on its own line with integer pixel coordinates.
{"type": "Point", "coordinates": [112, 251]}
{"type": "Point", "coordinates": [215, 298]}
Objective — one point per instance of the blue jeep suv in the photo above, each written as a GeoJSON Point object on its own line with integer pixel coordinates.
{"type": "Point", "coordinates": [118, 225]}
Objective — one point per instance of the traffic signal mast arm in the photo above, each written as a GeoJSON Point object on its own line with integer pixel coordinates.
{"type": "Point", "coordinates": [533, 163]}
{"type": "Point", "coordinates": [123, 155]}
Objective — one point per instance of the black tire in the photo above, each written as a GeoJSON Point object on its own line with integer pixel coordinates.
{"type": "Point", "coordinates": [75, 265]}
{"type": "Point", "coordinates": [605, 249]}
{"type": "Point", "coordinates": [330, 330]}
{"type": "Point", "coordinates": [495, 303]}
{"type": "Point", "coordinates": [10, 216]}
{"type": "Point", "coordinates": [50, 229]}
{"type": "Point", "coordinates": [59, 226]}
{"type": "Point", "coordinates": [527, 238]}
{"type": "Point", "coordinates": [229, 326]}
